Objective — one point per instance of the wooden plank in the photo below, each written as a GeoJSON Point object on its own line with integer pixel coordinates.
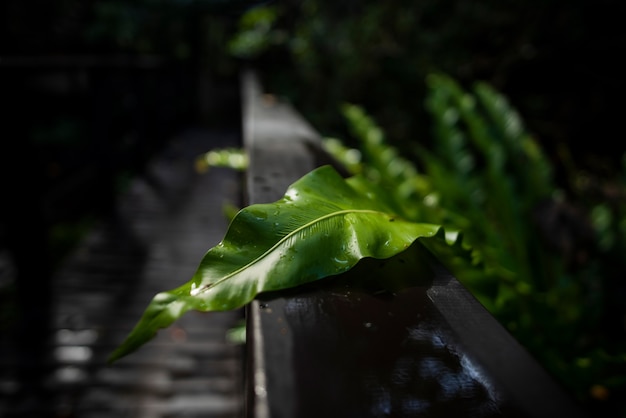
{"type": "Point", "coordinates": [278, 142]}
{"type": "Point", "coordinates": [336, 349]}
{"type": "Point", "coordinates": [511, 367]}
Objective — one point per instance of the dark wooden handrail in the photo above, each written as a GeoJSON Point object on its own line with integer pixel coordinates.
{"type": "Point", "coordinates": [341, 351]}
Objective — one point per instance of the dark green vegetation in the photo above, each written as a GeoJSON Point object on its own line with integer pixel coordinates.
{"type": "Point", "coordinates": [546, 266]}
{"type": "Point", "coordinates": [557, 61]}
{"type": "Point", "coordinates": [547, 215]}
{"type": "Point", "coordinates": [545, 218]}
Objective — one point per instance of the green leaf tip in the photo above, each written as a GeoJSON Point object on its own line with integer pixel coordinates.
{"type": "Point", "coordinates": [322, 226]}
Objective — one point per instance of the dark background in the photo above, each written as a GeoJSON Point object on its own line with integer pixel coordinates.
{"type": "Point", "coordinates": [560, 63]}
{"type": "Point", "coordinates": [90, 90]}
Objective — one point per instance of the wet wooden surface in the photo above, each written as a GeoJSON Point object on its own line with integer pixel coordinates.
{"type": "Point", "coordinates": [336, 348]}
{"type": "Point", "coordinates": [164, 224]}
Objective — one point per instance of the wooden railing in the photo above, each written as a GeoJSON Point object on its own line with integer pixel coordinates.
{"type": "Point", "coordinates": [339, 351]}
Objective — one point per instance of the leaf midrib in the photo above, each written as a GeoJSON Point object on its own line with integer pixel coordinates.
{"type": "Point", "coordinates": [209, 286]}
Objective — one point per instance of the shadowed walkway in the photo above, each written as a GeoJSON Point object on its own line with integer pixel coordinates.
{"type": "Point", "coordinates": [166, 221]}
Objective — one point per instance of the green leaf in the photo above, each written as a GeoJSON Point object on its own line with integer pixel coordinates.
{"type": "Point", "coordinates": [322, 226]}
{"type": "Point", "coordinates": [235, 158]}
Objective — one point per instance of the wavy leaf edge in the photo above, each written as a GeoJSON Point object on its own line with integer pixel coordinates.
{"type": "Point", "coordinates": [202, 292]}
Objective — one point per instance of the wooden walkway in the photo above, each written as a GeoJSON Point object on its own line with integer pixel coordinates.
{"type": "Point", "coordinates": [166, 221]}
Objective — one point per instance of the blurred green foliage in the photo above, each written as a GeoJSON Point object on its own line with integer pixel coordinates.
{"type": "Point", "coordinates": [545, 213]}
{"type": "Point", "coordinates": [558, 61]}
{"type": "Point", "coordinates": [546, 263]}
{"type": "Point", "coordinates": [548, 232]}
{"type": "Point", "coordinates": [187, 31]}
{"type": "Point", "coordinates": [256, 32]}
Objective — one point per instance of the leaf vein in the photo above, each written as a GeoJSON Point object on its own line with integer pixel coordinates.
{"type": "Point", "coordinates": [207, 287]}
